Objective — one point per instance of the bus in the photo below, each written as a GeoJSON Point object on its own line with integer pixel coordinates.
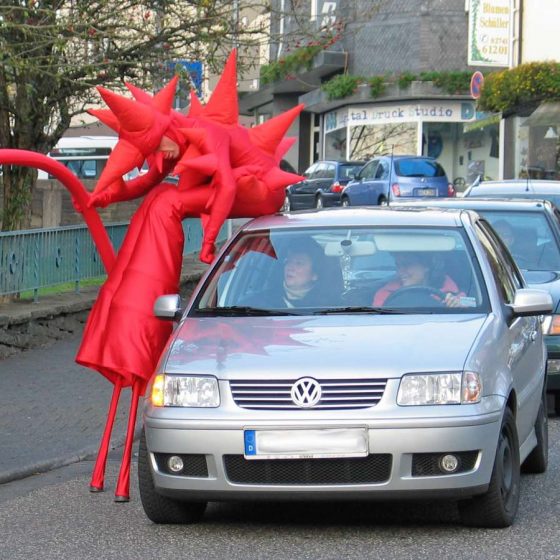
{"type": "Point", "coordinates": [86, 156]}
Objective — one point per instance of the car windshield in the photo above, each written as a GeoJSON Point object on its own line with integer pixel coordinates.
{"type": "Point", "coordinates": [529, 238]}
{"type": "Point", "coordinates": [348, 171]}
{"type": "Point", "coordinates": [418, 167]}
{"type": "Point", "coordinates": [370, 270]}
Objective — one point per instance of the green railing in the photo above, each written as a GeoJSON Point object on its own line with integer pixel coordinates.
{"type": "Point", "coordinates": [40, 258]}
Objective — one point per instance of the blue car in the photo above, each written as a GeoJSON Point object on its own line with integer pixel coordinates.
{"type": "Point", "coordinates": [387, 178]}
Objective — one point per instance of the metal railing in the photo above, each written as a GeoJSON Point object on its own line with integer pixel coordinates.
{"type": "Point", "coordinates": [40, 258]}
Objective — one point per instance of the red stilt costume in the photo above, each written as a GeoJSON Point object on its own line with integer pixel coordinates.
{"type": "Point", "coordinates": [225, 171]}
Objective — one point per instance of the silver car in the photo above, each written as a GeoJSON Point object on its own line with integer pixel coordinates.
{"type": "Point", "coordinates": [358, 384]}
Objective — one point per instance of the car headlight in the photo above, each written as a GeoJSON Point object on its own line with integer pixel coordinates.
{"type": "Point", "coordinates": [551, 324]}
{"type": "Point", "coordinates": [440, 388]}
{"type": "Point", "coordinates": [185, 390]}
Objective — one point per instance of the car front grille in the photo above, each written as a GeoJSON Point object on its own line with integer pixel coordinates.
{"type": "Point", "coordinates": [274, 394]}
{"type": "Point", "coordinates": [373, 469]}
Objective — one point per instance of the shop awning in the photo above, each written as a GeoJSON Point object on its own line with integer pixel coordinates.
{"type": "Point", "coordinates": [481, 123]}
{"type": "Point", "coordinates": [546, 114]}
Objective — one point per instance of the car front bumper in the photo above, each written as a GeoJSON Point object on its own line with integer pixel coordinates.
{"type": "Point", "coordinates": [396, 449]}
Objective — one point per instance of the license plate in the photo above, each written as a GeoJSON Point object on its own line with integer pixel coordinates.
{"type": "Point", "coordinates": [305, 444]}
{"type": "Point", "coordinates": [426, 192]}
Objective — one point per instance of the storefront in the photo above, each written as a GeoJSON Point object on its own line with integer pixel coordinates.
{"type": "Point", "coordinates": [532, 146]}
{"type": "Point", "coordinates": [465, 142]}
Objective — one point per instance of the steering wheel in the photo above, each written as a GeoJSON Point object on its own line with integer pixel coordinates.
{"type": "Point", "coordinates": [415, 295]}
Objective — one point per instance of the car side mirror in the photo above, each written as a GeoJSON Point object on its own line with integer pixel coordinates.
{"type": "Point", "coordinates": [531, 302]}
{"type": "Point", "coordinates": [168, 307]}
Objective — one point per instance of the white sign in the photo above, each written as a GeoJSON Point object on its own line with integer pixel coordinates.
{"type": "Point", "coordinates": [437, 111]}
{"type": "Point", "coordinates": [490, 30]}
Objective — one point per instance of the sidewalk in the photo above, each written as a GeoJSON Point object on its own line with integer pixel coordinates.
{"type": "Point", "coordinates": [52, 410]}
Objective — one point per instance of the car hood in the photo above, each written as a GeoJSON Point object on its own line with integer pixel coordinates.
{"type": "Point", "coordinates": [346, 346]}
{"type": "Point", "coordinates": [545, 280]}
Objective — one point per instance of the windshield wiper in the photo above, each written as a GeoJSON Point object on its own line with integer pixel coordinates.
{"type": "Point", "coordinates": [359, 309]}
{"type": "Point", "coordinates": [243, 310]}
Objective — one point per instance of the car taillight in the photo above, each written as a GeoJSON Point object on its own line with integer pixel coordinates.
{"type": "Point", "coordinates": [337, 187]}
{"type": "Point", "coordinates": [451, 190]}
{"type": "Point", "coordinates": [395, 189]}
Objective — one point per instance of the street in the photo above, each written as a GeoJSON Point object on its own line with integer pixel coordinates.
{"type": "Point", "coordinates": [53, 515]}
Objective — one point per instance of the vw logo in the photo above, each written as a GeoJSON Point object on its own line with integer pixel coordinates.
{"type": "Point", "coordinates": [306, 392]}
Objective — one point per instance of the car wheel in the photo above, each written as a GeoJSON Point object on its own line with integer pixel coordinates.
{"type": "Point", "coordinates": [286, 205]}
{"type": "Point", "coordinates": [345, 201]}
{"type": "Point", "coordinates": [161, 509]}
{"type": "Point", "coordinates": [557, 404]}
{"type": "Point", "coordinates": [319, 202]}
{"type": "Point", "coordinates": [382, 201]}
{"type": "Point", "coordinates": [498, 506]}
{"type": "Point", "coordinates": [537, 461]}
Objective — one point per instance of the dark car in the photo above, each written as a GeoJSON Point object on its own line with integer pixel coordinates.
{"type": "Point", "coordinates": [518, 188]}
{"type": "Point", "coordinates": [388, 177]}
{"type": "Point", "coordinates": [531, 231]}
{"type": "Point", "coordinates": [322, 186]}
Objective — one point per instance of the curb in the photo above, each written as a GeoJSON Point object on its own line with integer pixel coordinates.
{"type": "Point", "coordinates": [87, 453]}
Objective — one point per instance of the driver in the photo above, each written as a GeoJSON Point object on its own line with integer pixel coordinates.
{"type": "Point", "coordinates": [416, 269]}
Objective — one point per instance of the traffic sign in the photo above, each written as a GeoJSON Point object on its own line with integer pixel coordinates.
{"type": "Point", "coordinates": [477, 81]}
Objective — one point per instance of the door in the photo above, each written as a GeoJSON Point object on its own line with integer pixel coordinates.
{"type": "Point", "coordinates": [302, 193]}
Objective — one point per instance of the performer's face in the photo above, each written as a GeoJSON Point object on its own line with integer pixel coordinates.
{"type": "Point", "coordinates": [169, 148]}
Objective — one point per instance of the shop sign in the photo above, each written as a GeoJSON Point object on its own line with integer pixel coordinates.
{"type": "Point", "coordinates": [490, 32]}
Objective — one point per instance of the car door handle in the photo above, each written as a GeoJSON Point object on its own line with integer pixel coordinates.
{"type": "Point", "coordinates": [533, 336]}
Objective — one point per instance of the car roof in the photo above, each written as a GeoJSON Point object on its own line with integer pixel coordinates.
{"type": "Point", "coordinates": [340, 161]}
{"type": "Point", "coordinates": [519, 185]}
{"type": "Point", "coordinates": [480, 203]}
{"type": "Point", "coordinates": [356, 217]}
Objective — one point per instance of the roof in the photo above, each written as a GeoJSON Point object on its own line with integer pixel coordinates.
{"type": "Point", "coordinates": [518, 185]}
{"type": "Point", "coordinates": [356, 217]}
{"type": "Point", "coordinates": [480, 203]}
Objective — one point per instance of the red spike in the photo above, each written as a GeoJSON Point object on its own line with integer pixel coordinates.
{"type": "Point", "coordinates": [196, 108]}
{"type": "Point", "coordinates": [196, 136]}
{"type": "Point", "coordinates": [107, 117]}
{"type": "Point", "coordinates": [163, 99]}
{"type": "Point", "coordinates": [127, 111]}
{"type": "Point", "coordinates": [223, 104]}
{"type": "Point", "coordinates": [277, 179]}
{"type": "Point", "coordinates": [139, 94]}
{"type": "Point", "coordinates": [206, 164]}
{"type": "Point", "coordinates": [123, 158]}
{"type": "Point", "coordinates": [284, 147]}
{"type": "Point", "coordinates": [268, 135]}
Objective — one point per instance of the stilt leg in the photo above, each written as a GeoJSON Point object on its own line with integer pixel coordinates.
{"type": "Point", "coordinates": [122, 493]}
{"type": "Point", "coordinates": [98, 475]}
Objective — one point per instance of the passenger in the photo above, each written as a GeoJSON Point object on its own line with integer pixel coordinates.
{"type": "Point", "coordinates": [417, 270]}
{"type": "Point", "coordinates": [300, 287]}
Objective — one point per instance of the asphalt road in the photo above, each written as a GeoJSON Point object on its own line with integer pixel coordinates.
{"type": "Point", "coordinates": [52, 515]}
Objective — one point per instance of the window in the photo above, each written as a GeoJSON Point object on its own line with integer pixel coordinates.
{"type": "Point", "coordinates": [418, 167]}
{"type": "Point", "coordinates": [368, 172]}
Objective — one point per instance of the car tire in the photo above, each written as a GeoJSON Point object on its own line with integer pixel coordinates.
{"type": "Point", "coordinates": [319, 202]}
{"type": "Point", "coordinates": [537, 461]}
{"type": "Point", "coordinates": [498, 506]}
{"type": "Point", "coordinates": [161, 509]}
{"type": "Point", "coordinates": [286, 207]}
{"type": "Point", "coordinates": [557, 404]}
{"type": "Point", "coordinates": [345, 201]}
{"type": "Point", "coordinates": [382, 201]}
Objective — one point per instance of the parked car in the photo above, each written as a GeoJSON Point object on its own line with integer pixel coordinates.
{"type": "Point", "coordinates": [322, 185]}
{"type": "Point", "coordinates": [530, 230]}
{"type": "Point", "coordinates": [517, 188]}
{"type": "Point", "coordinates": [337, 399]}
{"type": "Point", "coordinates": [387, 178]}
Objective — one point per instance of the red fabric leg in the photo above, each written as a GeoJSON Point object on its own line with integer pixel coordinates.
{"type": "Point", "coordinates": [122, 493]}
{"type": "Point", "coordinates": [98, 475]}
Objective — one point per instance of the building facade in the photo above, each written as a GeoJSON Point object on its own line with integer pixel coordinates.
{"type": "Point", "coordinates": [392, 38]}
